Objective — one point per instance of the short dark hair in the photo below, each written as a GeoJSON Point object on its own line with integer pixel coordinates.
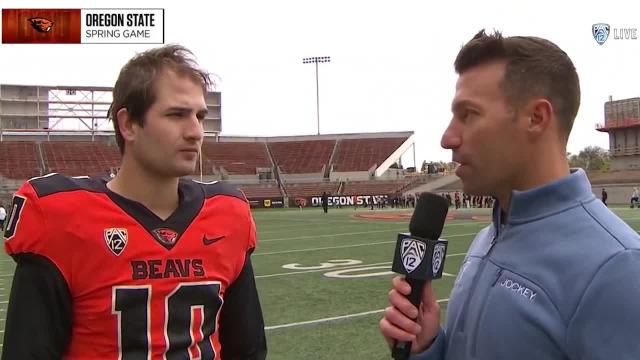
{"type": "Point", "coordinates": [534, 67]}
{"type": "Point", "coordinates": [134, 89]}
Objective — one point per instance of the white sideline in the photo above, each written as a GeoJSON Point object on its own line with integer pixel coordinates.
{"type": "Point", "coordinates": [362, 232]}
{"type": "Point", "coordinates": [334, 318]}
{"type": "Point", "coordinates": [345, 246]}
{"type": "Point", "coordinates": [354, 223]}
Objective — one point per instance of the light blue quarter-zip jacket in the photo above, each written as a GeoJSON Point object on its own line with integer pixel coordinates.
{"type": "Point", "coordinates": [559, 280]}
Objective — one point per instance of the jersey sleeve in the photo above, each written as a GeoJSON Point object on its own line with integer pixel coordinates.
{"type": "Point", "coordinates": [252, 240]}
{"type": "Point", "coordinates": [38, 322]}
{"type": "Point", "coordinates": [242, 334]}
{"type": "Point", "coordinates": [26, 228]}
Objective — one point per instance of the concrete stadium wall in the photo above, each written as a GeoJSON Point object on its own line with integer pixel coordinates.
{"type": "Point", "coordinates": [306, 177]}
{"type": "Point", "coordinates": [617, 194]}
{"type": "Point", "coordinates": [626, 163]}
{"type": "Point", "coordinates": [350, 175]}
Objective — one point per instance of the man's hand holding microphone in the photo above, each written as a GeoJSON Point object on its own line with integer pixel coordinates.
{"type": "Point", "coordinates": [412, 321]}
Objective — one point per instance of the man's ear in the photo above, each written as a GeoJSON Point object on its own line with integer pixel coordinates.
{"type": "Point", "coordinates": [125, 124]}
{"type": "Point", "coordinates": [540, 116]}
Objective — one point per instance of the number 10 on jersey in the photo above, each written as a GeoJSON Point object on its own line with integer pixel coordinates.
{"type": "Point", "coordinates": [132, 305]}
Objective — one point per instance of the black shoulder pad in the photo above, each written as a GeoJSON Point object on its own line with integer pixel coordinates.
{"type": "Point", "coordinates": [215, 188]}
{"type": "Point", "coordinates": [56, 183]}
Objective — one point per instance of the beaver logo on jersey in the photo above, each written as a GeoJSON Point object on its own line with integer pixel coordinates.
{"type": "Point", "coordinates": [116, 239]}
{"type": "Point", "coordinates": [166, 237]}
{"type": "Point", "coordinates": [41, 24]}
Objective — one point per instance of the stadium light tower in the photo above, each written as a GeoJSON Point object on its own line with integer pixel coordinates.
{"type": "Point", "coordinates": [316, 60]}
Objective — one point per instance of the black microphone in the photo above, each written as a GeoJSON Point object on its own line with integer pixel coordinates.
{"type": "Point", "coordinates": [420, 254]}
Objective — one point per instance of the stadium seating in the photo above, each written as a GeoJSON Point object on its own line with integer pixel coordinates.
{"type": "Point", "coordinates": [261, 190]}
{"type": "Point", "coordinates": [19, 160]}
{"type": "Point", "coordinates": [26, 159]}
{"type": "Point", "coordinates": [362, 154]}
{"type": "Point", "coordinates": [311, 189]}
{"type": "Point", "coordinates": [301, 157]}
{"type": "Point", "coordinates": [237, 158]}
{"type": "Point", "coordinates": [379, 187]}
{"type": "Point", "coordinates": [77, 158]}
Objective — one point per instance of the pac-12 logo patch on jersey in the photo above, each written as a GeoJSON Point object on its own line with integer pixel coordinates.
{"type": "Point", "coordinates": [116, 239]}
{"type": "Point", "coordinates": [412, 253]}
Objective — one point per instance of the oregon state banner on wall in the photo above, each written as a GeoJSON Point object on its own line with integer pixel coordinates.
{"type": "Point", "coordinates": [341, 200]}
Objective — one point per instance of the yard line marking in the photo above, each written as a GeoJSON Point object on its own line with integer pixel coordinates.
{"type": "Point", "coordinates": [305, 224]}
{"type": "Point", "coordinates": [344, 246]}
{"type": "Point", "coordinates": [320, 270]}
{"type": "Point", "coordinates": [357, 233]}
{"type": "Point", "coordinates": [351, 267]}
{"type": "Point", "coordinates": [334, 318]}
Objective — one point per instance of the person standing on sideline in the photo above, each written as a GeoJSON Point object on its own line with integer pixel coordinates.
{"type": "Point", "coordinates": [604, 196]}
{"type": "Point", "coordinates": [3, 215]}
{"type": "Point", "coordinates": [325, 201]}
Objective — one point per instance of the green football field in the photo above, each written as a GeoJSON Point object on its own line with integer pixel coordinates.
{"type": "Point", "coordinates": [324, 278]}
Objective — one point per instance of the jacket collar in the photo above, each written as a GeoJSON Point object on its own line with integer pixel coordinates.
{"type": "Point", "coordinates": [545, 200]}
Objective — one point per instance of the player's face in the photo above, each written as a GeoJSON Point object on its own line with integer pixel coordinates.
{"type": "Point", "coordinates": [169, 143]}
{"type": "Point", "coordinates": [484, 133]}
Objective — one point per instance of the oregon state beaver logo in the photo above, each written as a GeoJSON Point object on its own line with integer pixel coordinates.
{"type": "Point", "coordinates": [41, 24]}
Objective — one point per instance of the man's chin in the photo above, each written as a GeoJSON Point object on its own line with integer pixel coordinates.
{"type": "Point", "coordinates": [185, 170]}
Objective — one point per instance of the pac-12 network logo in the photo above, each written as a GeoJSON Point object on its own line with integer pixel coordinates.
{"type": "Point", "coordinates": [600, 32]}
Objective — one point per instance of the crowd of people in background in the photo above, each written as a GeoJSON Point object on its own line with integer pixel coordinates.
{"type": "Point", "coordinates": [400, 200]}
{"type": "Point", "coordinates": [465, 201]}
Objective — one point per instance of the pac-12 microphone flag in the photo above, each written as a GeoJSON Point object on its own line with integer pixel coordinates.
{"type": "Point", "coordinates": [83, 26]}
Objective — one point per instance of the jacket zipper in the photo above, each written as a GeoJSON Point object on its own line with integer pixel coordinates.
{"type": "Point", "coordinates": [485, 259]}
{"type": "Point", "coordinates": [475, 283]}
{"type": "Point", "coordinates": [485, 301]}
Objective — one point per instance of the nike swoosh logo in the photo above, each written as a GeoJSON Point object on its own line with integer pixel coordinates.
{"type": "Point", "coordinates": [209, 241]}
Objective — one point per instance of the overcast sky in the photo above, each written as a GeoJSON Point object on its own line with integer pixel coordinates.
{"type": "Point", "coordinates": [391, 61]}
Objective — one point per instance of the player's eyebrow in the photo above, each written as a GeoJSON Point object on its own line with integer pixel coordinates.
{"type": "Point", "coordinates": [180, 109]}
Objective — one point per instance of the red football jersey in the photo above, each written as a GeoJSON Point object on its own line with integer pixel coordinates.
{"type": "Point", "coordinates": [140, 287]}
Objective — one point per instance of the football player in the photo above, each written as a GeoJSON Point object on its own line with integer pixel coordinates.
{"type": "Point", "coordinates": [145, 265]}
